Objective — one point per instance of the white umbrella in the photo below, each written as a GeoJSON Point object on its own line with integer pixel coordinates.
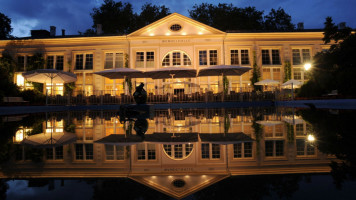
{"type": "Point", "coordinates": [292, 84]}
{"type": "Point", "coordinates": [227, 70]}
{"type": "Point", "coordinates": [48, 140]}
{"type": "Point", "coordinates": [267, 82]}
{"type": "Point", "coordinates": [49, 76]}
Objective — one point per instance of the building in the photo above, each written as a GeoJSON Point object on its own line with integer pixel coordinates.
{"type": "Point", "coordinates": [175, 40]}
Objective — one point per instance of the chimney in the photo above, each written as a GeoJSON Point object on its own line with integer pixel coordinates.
{"type": "Point", "coordinates": [99, 29]}
{"type": "Point", "coordinates": [63, 32]}
{"type": "Point", "coordinates": [342, 25]}
{"type": "Point", "coordinates": [52, 31]}
{"type": "Point", "coordinates": [300, 26]}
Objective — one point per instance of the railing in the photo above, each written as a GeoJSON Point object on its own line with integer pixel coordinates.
{"type": "Point", "coordinates": [197, 97]}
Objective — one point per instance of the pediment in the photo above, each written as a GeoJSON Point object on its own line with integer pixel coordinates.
{"type": "Point", "coordinates": [192, 183]}
{"type": "Point", "coordinates": [175, 25]}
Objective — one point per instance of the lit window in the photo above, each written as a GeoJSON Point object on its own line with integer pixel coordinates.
{"type": "Point", "coordinates": [300, 56]}
{"type": "Point", "coordinates": [114, 60]}
{"type": "Point", "coordinates": [178, 151]}
{"type": "Point", "coordinates": [176, 58]}
{"type": "Point", "coordinates": [83, 61]}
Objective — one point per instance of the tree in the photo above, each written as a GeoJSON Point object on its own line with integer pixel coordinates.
{"type": "Point", "coordinates": [5, 26]}
{"type": "Point", "coordinates": [333, 69]}
{"type": "Point", "coordinates": [150, 13]}
{"type": "Point", "coordinates": [115, 17]}
{"type": "Point", "coordinates": [331, 31]}
{"type": "Point", "coordinates": [256, 75]}
{"type": "Point", "coordinates": [228, 17]}
{"type": "Point", "coordinates": [278, 20]}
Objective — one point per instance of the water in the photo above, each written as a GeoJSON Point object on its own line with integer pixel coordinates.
{"type": "Point", "coordinates": [243, 153]}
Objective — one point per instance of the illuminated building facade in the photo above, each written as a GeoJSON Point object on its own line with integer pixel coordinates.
{"type": "Point", "coordinates": [177, 41]}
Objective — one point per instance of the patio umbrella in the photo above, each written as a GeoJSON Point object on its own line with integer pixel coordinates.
{"type": "Point", "coordinates": [292, 84]}
{"type": "Point", "coordinates": [49, 76]}
{"type": "Point", "coordinates": [120, 139]}
{"type": "Point", "coordinates": [49, 140]}
{"type": "Point", "coordinates": [172, 138]}
{"type": "Point", "coordinates": [171, 72]}
{"type": "Point", "coordinates": [224, 139]}
{"type": "Point", "coordinates": [227, 70]}
{"type": "Point", "coordinates": [223, 70]}
{"type": "Point", "coordinates": [121, 73]}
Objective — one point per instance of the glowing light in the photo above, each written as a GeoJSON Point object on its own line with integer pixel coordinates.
{"type": "Point", "coordinates": [307, 66]}
{"type": "Point", "coordinates": [151, 34]}
{"type": "Point", "coordinates": [168, 34]}
{"type": "Point", "coordinates": [184, 33]}
{"type": "Point", "coordinates": [311, 138]}
{"type": "Point", "coordinates": [200, 33]}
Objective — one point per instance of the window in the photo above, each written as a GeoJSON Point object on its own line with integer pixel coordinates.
{"type": "Point", "coordinates": [243, 150]}
{"type": "Point", "coordinates": [273, 73]}
{"type": "Point", "coordinates": [178, 151]}
{"type": "Point", "coordinates": [21, 63]}
{"type": "Point", "coordinates": [146, 151]}
{"type": "Point", "coordinates": [236, 59]}
{"type": "Point", "coordinates": [175, 27]}
{"type": "Point", "coordinates": [300, 56]}
{"type": "Point", "coordinates": [114, 152]}
{"type": "Point", "coordinates": [50, 62]}
{"type": "Point", "coordinates": [304, 148]}
{"type": "Point", "coordinates": [213, 56]}
{"type": "Point", "coordinates": [205, 55]}
{"type": "Point", "coordinates": [59, 62]}
{"type": "Point", "coordinates": [203, 58]}
{"type": "Point", "coordinates": [274, 148]}
{"type": "Point", "coordinates": [297, 73]}
{"type": "Point", "coordinates": [55, 62]}
{"type": "Point", "coordinates": [84, 152]}
{"type": "Point", "coordinates": [55, 153]}
{"type": "Point", "coordinates": [210, 151]}
{"type": "Point", "coordinates": [83, 61]}
{"type": "Point", "coordinates": [114, 60]}
{"type": "Point", "coordinates": [245, 60]}
{"type": "Point", "coordinates": [176, 58]}
{"type": "Point", "coordinates": [270, 57]}
{"type": "Point", "coordinates": [145, 59]}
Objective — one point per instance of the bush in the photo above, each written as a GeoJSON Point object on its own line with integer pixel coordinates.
{"type": "Point", "coordinates": [33, 96]}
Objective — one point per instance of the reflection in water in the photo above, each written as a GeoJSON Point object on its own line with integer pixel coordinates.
{"type": "Point", "coordinates": [176, 152]}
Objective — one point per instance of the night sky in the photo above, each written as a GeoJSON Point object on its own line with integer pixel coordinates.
{"type": "Point", "coordinates": [74, 15]}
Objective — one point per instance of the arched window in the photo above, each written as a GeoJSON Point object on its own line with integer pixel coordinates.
{"type": "Point", "coordinates": [178, 151]}
{"type": "Point", "coordinates": [176, 58]}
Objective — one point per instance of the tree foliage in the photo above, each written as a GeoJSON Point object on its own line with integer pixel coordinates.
{"type": "Point", "coordinates": [256, 74]}
{"type": "Point", "coordinates": [229, 17]}
{"type": "Point", "coordinates": [119, 18]}
{"type": "Point", "coordinates": [278, 20]}
{"type": "Point", "coordinates": [333, 69]}
{"type": "Point", "coordinates": [331, 31]}
{"type": "Point", "coordinates": [5, 26]}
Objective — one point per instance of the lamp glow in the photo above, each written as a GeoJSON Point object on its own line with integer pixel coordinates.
{"type": "Point", "coordinates": [307, 66]}
{"type": "Point", "coordinates": [311, 138]}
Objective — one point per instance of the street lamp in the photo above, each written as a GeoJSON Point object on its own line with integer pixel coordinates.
{"type": "Point", "coordinates": [307, 66]}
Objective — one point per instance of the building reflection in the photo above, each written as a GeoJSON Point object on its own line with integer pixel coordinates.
{"type": "Point", "coordinates": [182, 151]}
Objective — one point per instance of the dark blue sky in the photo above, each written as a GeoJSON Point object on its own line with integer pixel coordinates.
{"type": "Point", "coordinates": [74, 15]}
